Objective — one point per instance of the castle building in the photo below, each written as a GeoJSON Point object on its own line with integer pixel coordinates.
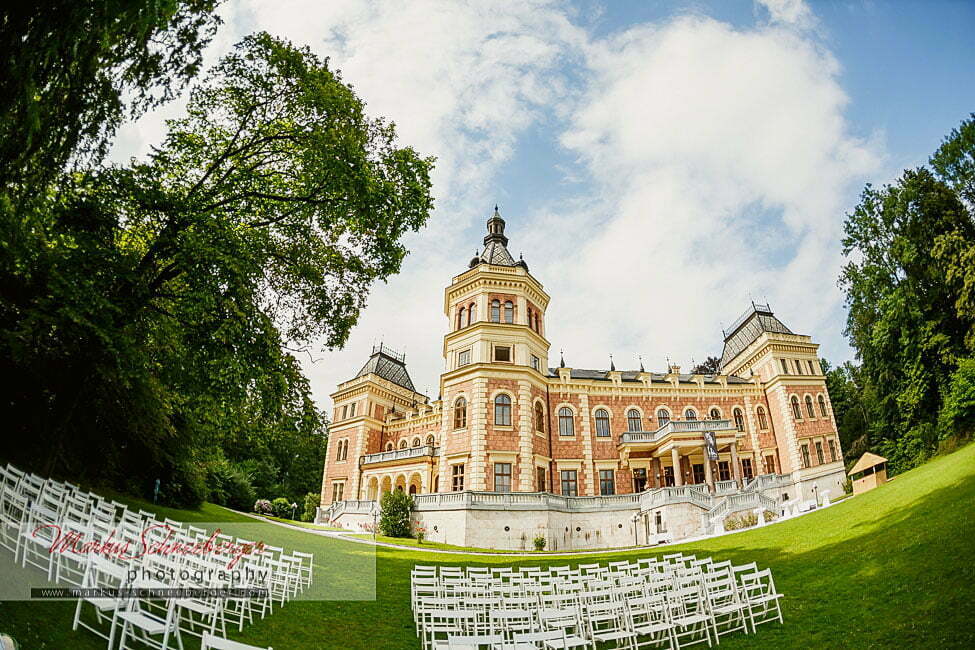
{"type": "Point", "coordinates": [513, 447]}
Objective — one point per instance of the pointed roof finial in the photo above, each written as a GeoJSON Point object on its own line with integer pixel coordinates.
{"type": "Point", "coordinates": [561, 358]}
{"type": "Point", "coordinates": [495, 208]}
{"type": "Point", "coordinates": [640, 357]}
{"type": "Point", "coordinates": [612, 366]}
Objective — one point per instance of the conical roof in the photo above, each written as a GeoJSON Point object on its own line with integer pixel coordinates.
{"type": "Point", "coordinates": [389, 365]}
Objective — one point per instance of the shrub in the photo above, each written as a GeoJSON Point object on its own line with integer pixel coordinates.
{"type": "Point", "coordinates": [263, 507]}
{"type": "Point", "coordinates": [282, 508]}
{"type": "Point", "coordinates": [539, 542]}
{"type": "Point", "coordinates": [958, 412]}
{"type": "Point", "coordinates": [228, 485]}
{"type": "Point", "coordinates": [394, 516]}
{"type": "Point", "coordinates": [186, 486]}
{"type": "Point", "coordinates": [312, 501]}
{"type": "Point", "coordinates": [741, 520]}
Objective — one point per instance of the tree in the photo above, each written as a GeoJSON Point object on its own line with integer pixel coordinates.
{"type": "Point", "coordinates": [396, 508]}
{"type": "Point", "coordinates": [150, 312]}
{"type": "Point", "coordinates": [711, 366]}
{"type": "Point", "coordinates": [73, 71]}
{"type": "Point", "coordinates": [908, 287]}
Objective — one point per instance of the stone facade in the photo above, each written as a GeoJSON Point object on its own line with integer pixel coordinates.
{"type": "Point", "coordinates": [505, 421]}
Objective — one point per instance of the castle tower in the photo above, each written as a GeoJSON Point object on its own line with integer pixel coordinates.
{"type": "Point", "coordinates": [799, 422]}
{"type": "Point", "coordinates": [495, 358]}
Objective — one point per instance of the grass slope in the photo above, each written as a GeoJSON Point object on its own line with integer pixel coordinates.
{"type": "Point", "coordinates": [892, 567]}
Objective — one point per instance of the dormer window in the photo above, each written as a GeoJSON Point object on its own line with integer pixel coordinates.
{"type": "Point", "coordinates": [495, 311]}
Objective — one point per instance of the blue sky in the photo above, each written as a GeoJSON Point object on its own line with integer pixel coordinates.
{"type": "Point", "coordinates": [658, 163]}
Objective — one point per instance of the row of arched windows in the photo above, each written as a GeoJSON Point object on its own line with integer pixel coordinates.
{"type": "Point", "coordinates": [404, 443]}
{"type": "Point", "coordinates": [634, 420]}
{"type": "Point", "coordinates": [467, 314]}
{"type": "Point", "coordinates": [810, 411]}
{"type": "Point", "coordinates": [533, 320]}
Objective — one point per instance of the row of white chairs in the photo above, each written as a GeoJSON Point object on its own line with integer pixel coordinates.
{"type": "Point", "coordinates": [38, 515]}
{"type": "Point", "coordinates": [670, 602]}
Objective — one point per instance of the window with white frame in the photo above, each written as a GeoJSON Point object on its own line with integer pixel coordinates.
{"type": "Point", "coordinates": [633, 420]}
{"type": "Point", "coordinates": [502, 410]}
{"type": "Point", "coordinates": [602, 423]}
{"type": "Point", "coordinates": [663, 417]}
{"type": "Point", "coordinates": [457, 478]}
{"type": "Point", "coordinates": [463, 358]}
{"type": "Point", "coordinates": [502, 477]}
{"type": "Point", "coordinates": [566, 422]}
{"type": "Point", "coordinates": [570, 483]}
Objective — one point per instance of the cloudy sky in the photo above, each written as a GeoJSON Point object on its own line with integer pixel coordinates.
{"type": "Point", "coordinates": [659, 164]}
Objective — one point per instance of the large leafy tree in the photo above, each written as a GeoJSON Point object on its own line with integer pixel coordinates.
{"type": "Point", "coordinates": [71, 71]}
{"type": "Point", "coordinates": [152, 305]}
{"type": "Point", "coordinates": [908, 289]}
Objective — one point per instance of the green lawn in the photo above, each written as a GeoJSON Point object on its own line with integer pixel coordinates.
{"type": "Point", "coordinates": [889, 568]}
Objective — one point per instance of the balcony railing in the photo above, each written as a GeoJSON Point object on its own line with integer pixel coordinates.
{"type": "Point", "coordinates": [399, 454]}
{"type": "Point", "coordinates": [523, 501]}
{"type": "Point", "coordinates": [675, 426]}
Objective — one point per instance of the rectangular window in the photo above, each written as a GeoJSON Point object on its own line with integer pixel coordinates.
{"type": "Point", "coordinates": [502, 477]}
{"type": "Point", "coordinates": [345, 411]}
{"type": "Point", "coordinates": [607, 482]}
{"type": "Point", "coordinates": [698, 471]}
{"type": "Point", "coordinates": [805, 455]}
{"type": "Point", "coordinates": [337, 491]}
{"type": "Point", "coordinates": [832, 450]}
{"type": "Point", "coordinates": [798, 367]}
{"type": "Point", "coordinates": [812, 367]}
{"type": "Point", "coordinates": [819, 453]}
{"type": "Point", "coordinates": [746, 468]}
{"type": "Point", "coordinates": [463, 358]}
{"type": "Point", "coordinates": [536, 363]}
{"type": "Point", "coordinates": [658, 520]}
{"type": "Point", "coordinates": [540, 479]}
{"type": "Point", "coordinates": [502, 353]}
{"type": "Point", "coordinates": [457, 478]}
{"type": "Point", "coordinates": [352, 410]}
{"type": "Point", "coordinates": [724, 470]}
{"type": "Point", "coordinates": [570, 484]}
{"type": "Point", "coordinates": [785, 366]}
{"type": "Point", "coordinates": [639, 479]}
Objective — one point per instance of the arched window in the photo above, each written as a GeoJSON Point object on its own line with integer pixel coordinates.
{"type": "Point", "coordinates": [390, 446]}
{"type": "Point", "coordinates": [460, 317]}
{"type": "Point", "coordinates": [416, 441]}
{"type": "Point", "coordinates": [715, 414]}
{"type": "Point", "coordinates": [822, 406]}
{"type": "Point", "coordinates": [509, 311]}
{"type": "Point", "coordinates": [602, 423]}
{"type": "Point", "coordinates": [690, 414]}
{"type": "Point", "coordinates": [796, 411]}
{"type": "Point", "coordinates": [471, 314]}
{"type": "Point", "coordinates": [566, 422]}
{"type": "Point", "coordinates": [402, 444]}
{"type": "Point", "coordinates": [460, 413]}
{"type": "Point", "coordinates": [495, 311]}
{"type": "Point", "coordinates": [663, 417]}
{"type": "Point", "coordinates": [539, 417]}
{"type": "Point", "coordinates": [431, 441]}
{"type": "Point", "coordinates": [531, 324]}
{"type": "Point", "coordinates": [502, 410]}
{"type": "Point", "coordinates": [538, 324]}
{"type": "Point", "coordinates": [762, 422]}
{"type": "Point", "coordinates": [633, 420]}
{"type": "Point", "coordinates": [739, 420]}
{"type": "Point", "coordinates": [809, 407]}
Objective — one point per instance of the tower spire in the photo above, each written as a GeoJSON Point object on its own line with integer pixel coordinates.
{"type": "Point", "coordinates": [561, 358]}
{"type": "Point", "coordinates": [612, 366]}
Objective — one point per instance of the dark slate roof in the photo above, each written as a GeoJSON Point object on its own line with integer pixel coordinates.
{"type": "Point", "coordinates": [752, 324]}
{"type": "Point", "coordinates": [634, 375]}
{"type": "Point", "coordinates": [389, 365]}
{"type": "Point", "coordinates": [496, 245]}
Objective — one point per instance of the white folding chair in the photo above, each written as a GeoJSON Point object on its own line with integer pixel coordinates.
{"type": "Point", "coordinates": [101, 573]}
{"type": "Point", "coordinates": [139, 623]}
{"type": "Point", "coordinates": [761, 598]}
{"type": "Point", "coordinates": [211, 642]}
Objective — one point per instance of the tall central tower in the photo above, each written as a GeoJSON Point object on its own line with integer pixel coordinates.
{"type": "Point", "coordinates": [495, 345]}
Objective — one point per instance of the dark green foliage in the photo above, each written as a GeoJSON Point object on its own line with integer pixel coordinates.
{"type": "Point", "coordinates": [958, 413]}
{"type": "Point", "coordinates": [229, 486]}
{"type": "Point", "coordinates": [148, 312]}
{"type": "Point", "coordinates": [711, 366]}
{"type": "Point", "coordinates": [281, 508]}
{"type": "Point", "coordinates": [396, 508]}
{"type": "Point", "coordinates": [910, 287]}
{"type": "Point", "coordinates": [312, 500]}
{"type": "Point", "coordinates": [72, 71]}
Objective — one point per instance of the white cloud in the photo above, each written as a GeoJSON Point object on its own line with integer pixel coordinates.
{"type": "Point", "coordinates": [717, 165]}
{"type": "Point", "coordinates": [789, 12]}
{"type": "Point", "coordinates": [721, 167]}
